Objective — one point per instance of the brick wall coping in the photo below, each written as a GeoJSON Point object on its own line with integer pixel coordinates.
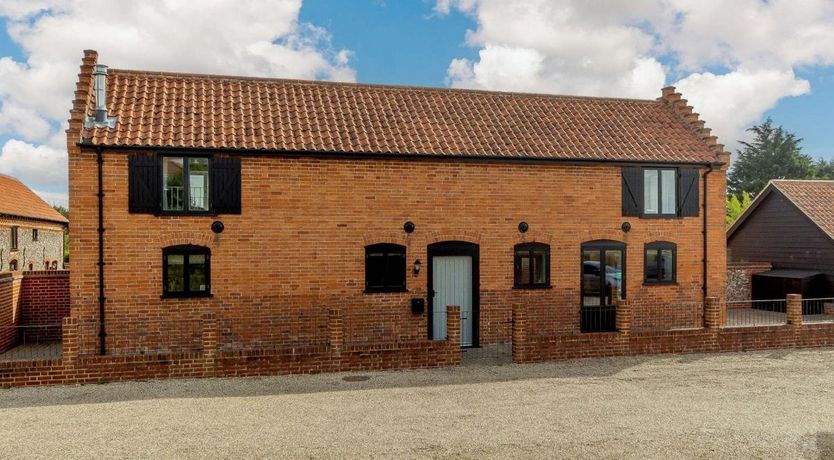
{"type": "Point", "coordinates": [749, 265]}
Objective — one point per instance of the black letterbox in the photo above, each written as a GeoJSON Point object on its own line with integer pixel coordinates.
{"type": "Point", "coordinates": [418, 306]}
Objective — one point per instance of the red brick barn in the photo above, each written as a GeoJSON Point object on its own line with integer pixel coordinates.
{"type": "Point", "coordinates": [271, 204]}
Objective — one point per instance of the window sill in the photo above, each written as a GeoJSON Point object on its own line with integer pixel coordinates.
{"type": "Point", "coordinates": [661, 216]}
{"type": "Point", "coordinates": [185, 213]}
{"type": "Point", "coordinates": [187, 296]}
{"type": "Point", "coordinates": [544, 286]}
{"type": "Point", "coordinates": [384, 291]}
{"type": "Point", "coordinates": [660, 283]}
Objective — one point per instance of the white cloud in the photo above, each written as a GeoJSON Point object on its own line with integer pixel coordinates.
{"type": "Point", "coordinates": [54, 198]}
{"type": "Point", "coordinates": [615, 48]}
{"type": "Point", "coordinates": [39, 166]}
{"type": "Point", "coordinates": [255, 37]}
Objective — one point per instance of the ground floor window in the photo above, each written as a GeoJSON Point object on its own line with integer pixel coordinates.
{"type": "Point", "coordinates": [186, 271]}
{"type": "Point", "coordinates": [532, 265]}
{"type": "Point", "coordinates": [660, 263]}
{"type": "Point", "coordinates": [384, 268]}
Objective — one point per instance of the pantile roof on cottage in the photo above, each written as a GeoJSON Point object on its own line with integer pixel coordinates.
{"type": "Point", "coordinates": [170, 110]}
{"type": "Point", "coordinates": [18, 201]}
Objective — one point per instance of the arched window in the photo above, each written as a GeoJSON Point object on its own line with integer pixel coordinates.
{"type": "Point", "coordinates": [384, 268]}
{"type": "Point", "coordinates": [660, 263]}
{"type": "Point", "coordinates": [186, 271]}
{"type": "Point", "coordinates": [54, 264]}
{"type": "Point", "coordinates": [532, 265]}
{"type": "Point", "coordinates": [13, 265]}
{"type": "Point", "coordinates": [31, 266]}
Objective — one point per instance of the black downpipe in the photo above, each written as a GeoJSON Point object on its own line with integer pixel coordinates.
{"type": "Point", "coordinates": [101, 299]}
{"type": "Point", "coordinates": [705, 231]}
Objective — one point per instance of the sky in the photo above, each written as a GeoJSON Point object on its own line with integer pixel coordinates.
{"type": "Point", "coordinates": [736, 62]}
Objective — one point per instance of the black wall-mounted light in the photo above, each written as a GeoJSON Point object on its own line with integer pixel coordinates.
{"type": "Point", "coordinates": [523, 227]}
{"type": "Point", "coordinates": [417, 266]}
{"type": "Point", "coordinates": [626, 227]}
{"type": "Point", "coordinates": [408, 227]}
{"type": "Point", "coordinates": [217, 226]}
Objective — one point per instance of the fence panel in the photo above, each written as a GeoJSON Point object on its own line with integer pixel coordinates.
{"type": "Point", "coordinates": [744, 313]}
{"type": "Point", "coordinates": [819, 310]}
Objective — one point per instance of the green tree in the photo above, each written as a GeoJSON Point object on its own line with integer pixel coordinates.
{"type": "Point", "coordinates": [736, 207]}
{"type": "Point", "coordinates": [824, 169]}
{"type": "Point", "coordinates": [64, 212]}
{"type": "Point", "coordinates": [774, 153]}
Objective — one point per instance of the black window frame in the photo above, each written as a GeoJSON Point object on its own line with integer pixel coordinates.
{"type": "Point", "coordinates": [186, 185]}
{"type": "Point", "coordinates": [34, 234]}
{"type": "Point", "coordinates": [388, 285]}
{"type": "Point", "coordinates": [676, 188]}
{"type": "Point", "coordinates": [14, 243]}
{"type": "Point", "coordinates": [530, 249]}
{"type": "Point", "coordinates": [185, 250]}
{"type": "Point", "coordinates": [660, 246]}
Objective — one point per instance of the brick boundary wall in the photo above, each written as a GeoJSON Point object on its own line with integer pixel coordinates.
{"type": "Point", "coordinates": [73, 368]}
{"type": "Point", "coordinates": [712, 338]}
{"type": "Point", "coordinates": [740, 279]}
{"type": "Point", "coordinates": [45, 302]}
{"type": "Point", "coordinates": [9, 309]}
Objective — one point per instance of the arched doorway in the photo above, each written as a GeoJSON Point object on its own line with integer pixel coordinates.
{"type": "Point", "coordinates": [453, 279]}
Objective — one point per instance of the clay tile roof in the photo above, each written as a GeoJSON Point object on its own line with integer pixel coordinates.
{"type": "Point", "coordinates": [815, 198]}
{"type": "Point", "coordinates": [204, 111]}
{"type": "Point", "coordinates": [17, 200]}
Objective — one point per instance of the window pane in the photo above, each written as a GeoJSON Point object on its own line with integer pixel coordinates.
{"type": "Point", "coordinates": [650, 192]}
{"type": "Point", "coordinates": [375, 270]}
{"type": "Point", "coordinates": [198, 184]}
{"type": "Point", "coordinates": [613, 275]}
{"type": "Point", "coordinates": [176, 273]}
{"type": "Point", "coordinates": [172, 193]}
{"type": "Point", "coordinates": [197, 273]}
{"type": "Point", "coordinates": [524, 269]}
{"type": "Point", "coordinates": [590, 277]}
{"type": "Point", "coordinates": [539, 268]}
{"type": "Point", "coordinates": [667, 267]}
{"type": "Point", "coordinates": [651, 265]}
{"type": "Point", "coordinates": [394, 275]}
{"type": "Point", "coordinates": [669, 191]}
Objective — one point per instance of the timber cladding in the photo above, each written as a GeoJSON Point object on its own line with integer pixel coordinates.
{"type": "Point", "coordinates": [296, 249]}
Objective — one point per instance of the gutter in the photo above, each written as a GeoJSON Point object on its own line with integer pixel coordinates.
{"type": "Point", "coordinates": [464, 157]}
{"type": "Point", "coordinates": [101, 299]}
{"type": "Point", "coordinates": [705, 231]}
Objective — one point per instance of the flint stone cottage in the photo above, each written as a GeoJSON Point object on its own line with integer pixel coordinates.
{"type": "Point", "coordinates": [31, 231]}
{"type": "Point", "coordinates": [285, 210]}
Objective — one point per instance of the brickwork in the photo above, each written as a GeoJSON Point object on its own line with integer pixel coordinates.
{"type": "Point", "coordinates": [9, 309]}
{"type": "Point", "coordinates": [34, 304]}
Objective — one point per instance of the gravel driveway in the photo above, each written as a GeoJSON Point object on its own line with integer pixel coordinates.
{"type": "Point", "coordinates": [770, 404]}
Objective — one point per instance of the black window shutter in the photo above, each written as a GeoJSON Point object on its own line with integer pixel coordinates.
{"type": "Point", "coordinates": [225, 185]}
{"type": "Point", "coordinates": [689, 204]}
{"type": "Point", "coordinates": [144, 184]}
{"type": "Point", "coordinates": [632, 191]}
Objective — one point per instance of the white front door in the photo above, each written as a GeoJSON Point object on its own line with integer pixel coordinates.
{"type": "Point", "coordinates": [452, 284]}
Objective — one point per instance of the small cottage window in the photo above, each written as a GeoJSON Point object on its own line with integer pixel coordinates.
{"type": "Point", "coordinates": [532, 265]}
{"type": "Point", "coordinates": [660, 263]}
{"type": "Point", "coordinates": [185, 184]}
{"type": "Point", "coordinates": [186, 271]}
{"type": "Point", "coordinates": [660, 192]}
{"type": "Point", "coordinates": [34, 234]}
{"type": "Point", "coordinates": [385, 268]}
{"type": "Point", "coordinates": [13, 266]}
{"type": "Point", "coordinates": [14, 239]}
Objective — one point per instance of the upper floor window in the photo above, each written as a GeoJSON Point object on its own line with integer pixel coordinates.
{"type": "Point", "coordinates": [34, 234]}
{"type": "Point", "coordinates": [182, 184]}
{"type": "Point", "coordinates": [660, 192]}
{"type": "Point", "coordinates": [14, 239]}
{"type": "Point", "coordinates": [186, 271]}
{"type": "Point", "coordinates": [385, 268]}
{"type": "Point", "coordinates": [532, 265]}
{"type": "Point", "coordinates": [660, 264]}
{"type": "Point", "coordinates": [185, 184]}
